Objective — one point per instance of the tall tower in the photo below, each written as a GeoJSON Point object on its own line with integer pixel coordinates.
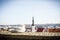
{"type": "Point", "coordinates": [33, 27]}
{"type": "Point", "coordinates": [32, 21]}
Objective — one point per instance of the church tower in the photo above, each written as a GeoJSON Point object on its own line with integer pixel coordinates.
{"type": "Point", "coordinates": [33, 26]}
{"type": "Point", "coordinates": [32, 21]}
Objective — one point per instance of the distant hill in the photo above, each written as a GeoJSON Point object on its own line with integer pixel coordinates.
{"type": "Point", "coordinates": [37, 25]}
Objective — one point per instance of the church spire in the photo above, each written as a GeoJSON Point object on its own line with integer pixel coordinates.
{"type": "Point", "coordinates": [32, 21]}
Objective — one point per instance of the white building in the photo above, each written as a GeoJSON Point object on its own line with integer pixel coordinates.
{"type": "Point", "coordinates": [17, 29]}
{"type": "Point", "coordinates": [34, 28]}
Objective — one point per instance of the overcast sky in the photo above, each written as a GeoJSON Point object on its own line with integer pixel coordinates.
{"type": "Point", "coordinates": [22, 11]}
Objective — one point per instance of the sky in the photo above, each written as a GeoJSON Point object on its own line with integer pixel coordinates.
{"type": "Point", "coordinates": [22, 11]}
